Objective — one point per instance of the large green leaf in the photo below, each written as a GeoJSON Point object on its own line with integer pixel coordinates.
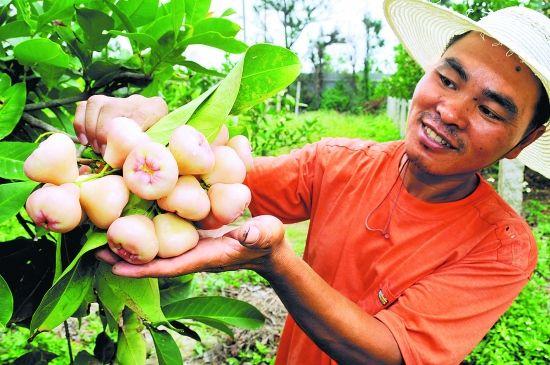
{"type": "Point", "coordinates": [15, 29]}
{"type": "Point", "coordinates": [93, 240]}
{"type": "Point", "coordinates": [140, 12]}
{"type": "Point", "coordinates": [13, 196]}
{"type": "Point", "coordinates": [175, 289]}
{"type": "Point", "coordinates": [267, 70]}
{"type": "Point", "coordinates": [11, 107]}
{"type": "Point", "coordinates": [64, 297]}
{"type": "Point", "coordinates": [55, 10]}
{"type": "Point", "coordinates": [111, 302]}
{"type": "Point", "coordinates": [5, 83]}
{"type": "Point", "coordinates": [177, 10]}
{"type": "Point", "coordinates": [212, 114]}
{"type": "Point", "coordinates": [41, 51]}
{"type": "Point", "coordinates": [196, 10]}
{"type": "Point", "coordinates": [6, 309]}
{"type": "Point", "coordinates": [160, 132]}
{"type": "Point", "coordinates": [226, 310]}
{"type": "Point", "coordinates": [131, 348]}
{"type": "Point", "coordinates": [93, 23]}
{"type": "Point", "coordinates": [12, 158]}
{"type": "Point", "coordinates": [159, 27]}
{"type": "Point", "coordinates": [193, 66]}
{"type": "Point", "coordinates": [141, 295]}
{"type": "Point", "coordinates": [167, 349]}
{"type": "Point", "coordinates": [225, 27]}
{"type": "Point", "coordinates": [216, 40]}
{"type": "Point", "coordinates": [214, 323]}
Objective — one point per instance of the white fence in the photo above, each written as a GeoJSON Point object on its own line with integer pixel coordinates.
{"type": "Point", "coordinates": [510, 172]}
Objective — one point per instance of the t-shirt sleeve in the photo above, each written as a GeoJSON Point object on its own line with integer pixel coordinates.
{"type": "Point", "coordinates": [440, 319]}
{"type": "Point", "coordinates": [282, 186]}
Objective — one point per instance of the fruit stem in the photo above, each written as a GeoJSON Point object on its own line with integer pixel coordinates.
{"type": "Point", "coordinates": [43, 135]}
{"type": "Point", "coordinates": [91, 177]}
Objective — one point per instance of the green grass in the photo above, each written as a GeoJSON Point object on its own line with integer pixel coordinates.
{"type": "Point", "coordinates": [333, 124]}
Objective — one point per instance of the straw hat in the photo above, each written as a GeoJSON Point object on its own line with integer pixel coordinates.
{"type": "Point", "coordinates": [425, 29]}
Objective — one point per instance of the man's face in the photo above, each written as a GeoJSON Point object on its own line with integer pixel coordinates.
{"type": "Point", "coordinates": [470, 109]}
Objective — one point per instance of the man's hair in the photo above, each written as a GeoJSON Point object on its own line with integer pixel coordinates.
{"type": "Point", "coordinates": [542, 107]}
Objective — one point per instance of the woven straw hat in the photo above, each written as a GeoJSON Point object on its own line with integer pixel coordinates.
{"type": "Point", "coordinates": [425, 29]}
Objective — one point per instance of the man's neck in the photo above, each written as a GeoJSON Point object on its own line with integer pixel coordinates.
{"type": "Point", "coordinates": [438, 189]}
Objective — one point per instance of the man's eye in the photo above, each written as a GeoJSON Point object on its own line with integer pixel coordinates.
{"type": "Point", "coordinates": [447, 82]}
{"type": "Point", "coordinates": [488, 113]}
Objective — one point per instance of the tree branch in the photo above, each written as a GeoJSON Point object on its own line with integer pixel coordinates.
{"type": "Point", "coordinates": [39, 123]}
{"type": "Point", "coordinates": [56, 102]}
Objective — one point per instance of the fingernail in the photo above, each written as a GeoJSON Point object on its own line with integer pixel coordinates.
{"type": "Point", "coordinates": [253, 235]}
{"type": "Point", "coordinates": [95, 146]}
{"type": "Point", "coordinates": [82, 138]}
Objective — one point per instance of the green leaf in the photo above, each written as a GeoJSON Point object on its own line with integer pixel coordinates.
{"type": "Point", "coordinates": [58, 9]}
{"type": "Point", "coordinates": [93, 23]}
{"type": "Point", "coordinates": [112, 303]}
{"type": "Point", "coordinates": [226, 310]}
{"type": "Point", "coordinates": [5, 83]}
{"type": "Point", "coordinates": [11, 107]}
{"type": "Point", "coordinates": [177, 290]}
{"type": "Point", "coordinates": [200, 69]}
{"type": "Point", "coordinates": [267, 70]}
{"type": "Point", "coordinates": [216, 40]}
{"type": "Point", "coordinates": [94, 240]}
{"type": "Point", "coordinates": [85, 358]}
{"type": "Point", "coordinates": [12, 158]}
{"type": "Point", "coordinates": [130, 27]}
{"type": "Point", "coordinates": [64, 297]}
{"type": "Point", "coordinates": [196, 10]}
{"type": "Point", "coordinates": [178, 14]}
{"type": "Point", "coordinates": [13, 196]}
{"type": "Point", "coordinates": [140, 12]}
{"type": "Point", "coordinates": [168, 352]}
{"type": "Point", "coordinates": [160, 132]}
{"type": "Point", "coordinates": [6, 298]}
{"type": "Point", "coordinates": [219, 325]}
{"type": "Point", "coordinates": [141, 295]}
{"type": "Point", "coordinates": [212, 114]}
{"type": "Point", "coordinates": [15, 29]}
{"type": "Point", "coordinates": [136, 205]}
{"type": "Point", "coordinates": [41, 51]}
{"type": "Point", "coordinates": [142, 40]}
{"type": "Point", "coordinates": [159, 27]}
{"type": "Point", "coordinates": [228, 12]}
{"type": "Point", "coordinates": [131, 348]}
{"type": "Point", "coordinates": [225, 27]}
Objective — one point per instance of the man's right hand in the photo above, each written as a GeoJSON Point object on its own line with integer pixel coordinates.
{"type": "Point", "coordinates": [92, 117]}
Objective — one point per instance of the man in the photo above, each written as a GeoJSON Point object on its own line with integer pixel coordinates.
{"type": "Point", "coordinates": [411, 256]}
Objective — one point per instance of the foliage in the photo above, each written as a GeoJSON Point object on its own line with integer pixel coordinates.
{"type": "Point", "coordinates": [58, 53]}
{"type": "Point", "coordinates": [336, 98]}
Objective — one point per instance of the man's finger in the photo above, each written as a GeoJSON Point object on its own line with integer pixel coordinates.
{"type": "Point", "coordinates": [148, 110]}
{"type": "Point", "coordinates": [106, 115]}
{"type": "Point", "coordinates": [259, 232]}
{"type": "Point", "coordinates": [107, 256]}
{"type": "Point", "coordinates": [79, 120]}
{"type": "Point", "coordinates": [93, 108]}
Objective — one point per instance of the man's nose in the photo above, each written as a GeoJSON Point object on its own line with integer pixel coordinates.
{"type": "Point", "coordinates": [453, 112]}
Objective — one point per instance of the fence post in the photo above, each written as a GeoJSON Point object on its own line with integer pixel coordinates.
{"type": "Point", "coordinates": [297, 100]}
{"type": "Point", "coordinates": [510, 182]}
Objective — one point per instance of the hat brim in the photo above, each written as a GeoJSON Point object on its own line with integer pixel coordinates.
{"type": "Point", "coordinates": [425, 29]}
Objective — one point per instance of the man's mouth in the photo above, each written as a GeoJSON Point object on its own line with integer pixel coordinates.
{"type": "Point", "coordinates": [432, 135]}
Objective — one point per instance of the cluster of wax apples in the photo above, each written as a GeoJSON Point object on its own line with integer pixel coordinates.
{"type": "Point", "coordinates": [194, 183]}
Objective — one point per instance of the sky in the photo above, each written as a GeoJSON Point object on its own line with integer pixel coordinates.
{"type": "Point", "coordinates": [344, 15]}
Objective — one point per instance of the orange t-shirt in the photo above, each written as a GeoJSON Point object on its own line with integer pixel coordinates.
{"type": "Point", "coordinates": [441, 279]}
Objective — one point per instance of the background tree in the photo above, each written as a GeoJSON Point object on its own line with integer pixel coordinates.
{"type": "Point", "coordinates": [373, 40]}
{"type": "Point", "coordinates": [294, 15]}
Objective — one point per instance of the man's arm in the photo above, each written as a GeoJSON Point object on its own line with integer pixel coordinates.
{"type": "Point", "coordinates": [336, 324]}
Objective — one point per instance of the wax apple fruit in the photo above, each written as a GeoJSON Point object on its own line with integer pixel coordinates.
{"type": "Point", "coordinates": [228, 168]}
{"type": "Point", "coordinates": [55, 208]}
{"type": "Point", "coordinates": [222, 137]}
{"type": "Point", "coordinates": [242, 146]}
{"type": "Point", "coordinates": [104, 199]}
{"type": "Point", "coordinates": [54, 161]}
{"type": "Point", "coordinates": [123, 135]}
{"type": "Point", "coordinates": [188, 199]}
{"type": "Point", "coordinates": [175, 235]}
{"type": "Point", "coordinates": [191, 151]}
{"type": "Point", "coordinates": [210, 222]}
{"type": "Point", "coordinates": [133, 238]}
{"type": "Point", "coordinates": [228, 201]}
{"type": "Point", "coordinates": [150, 171]}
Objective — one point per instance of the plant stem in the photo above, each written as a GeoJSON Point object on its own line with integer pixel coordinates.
{"type": "Point", "coordinates": [24, 224]}
{"type": "Point", "coordinates": [39, 123]}
{"type": "Point", "coordinates": [56, 102]}
{"type": "Point", "coordinates": [68, 337]}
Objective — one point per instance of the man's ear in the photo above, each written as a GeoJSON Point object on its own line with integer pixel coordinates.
{"type": "Point", "coordinates": [526, 141]}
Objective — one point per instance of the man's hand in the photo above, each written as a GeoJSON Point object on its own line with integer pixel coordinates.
{"type": "Point", "coordinates": [92, 117]}
{"type": "Point", "coordinates": [250, 246]}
